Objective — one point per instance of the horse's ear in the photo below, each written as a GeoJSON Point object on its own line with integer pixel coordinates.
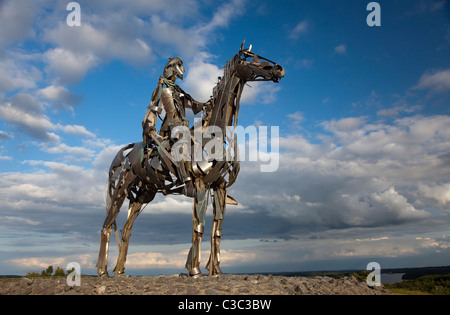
{"type": "Point", "coordinates": [242, 45]}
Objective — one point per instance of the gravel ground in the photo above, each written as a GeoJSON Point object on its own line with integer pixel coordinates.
{"type": "Point", "coordinates": [182, 285]}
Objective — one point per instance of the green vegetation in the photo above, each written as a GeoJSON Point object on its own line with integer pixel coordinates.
{"type": "Point", "coordinates": [59, 272]}
{"type": "Point", "coordinates": [361, 276]}
{"type": "Point", "coordinates": [431, 284]}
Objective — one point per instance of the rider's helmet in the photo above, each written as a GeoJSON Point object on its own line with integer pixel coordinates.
{"type": "Point", "coordinates": [174, 67]}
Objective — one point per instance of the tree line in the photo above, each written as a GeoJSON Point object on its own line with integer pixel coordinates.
{"type": "Point", "coordinates": [49, 272]}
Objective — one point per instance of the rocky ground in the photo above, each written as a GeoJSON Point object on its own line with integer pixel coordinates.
{"type": "Point", "coordinates": [183, 285]}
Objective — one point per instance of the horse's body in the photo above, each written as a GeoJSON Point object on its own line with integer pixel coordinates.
{"type": "Point", "coordinates": [139, 171]}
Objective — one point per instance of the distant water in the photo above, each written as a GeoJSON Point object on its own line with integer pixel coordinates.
{"type": "Point", "coordinates": [391, 278]}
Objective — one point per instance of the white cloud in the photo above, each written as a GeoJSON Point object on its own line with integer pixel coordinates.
{"type": "Point", "coordinates": [223, 15]}
{"type": "Point", "coordinates": [172, 10]}
{"type": "Point", "coordinates": [39, 262]}
{"type": "Point", "coordinates": [201, 77]}
{"type": "Point", "coordinates": [341, 49]}
{"type": "Point", "coordinates": [301, 28]}
{"type": "Point", "coordinates": [187, 42]}
{"type": "Point", "coordinates": [438, 81]}
{"type": "Point", "coordinates": [296, 117]}
{"type": "Point", "coordinates": [152, 260]}
{"type": "Point", "coordinates": [69, 67]}
{"type": "Point", "coordinates": [78, 154]}
{"type": "Point", "coordinates": [61, 96]}
{"type": "Point", "coordinates": [114, 38]}
{"type": "Point", "coordinates": [260, 92]}
{"type": "Point", "coordinates": [61, 188]}
{"type": "Point", "coordinates": [305, 63]}
{"type": "Point", "coordinates": [17, 220]}
{"type": "Point", "coordinates": [16, 18]}
{"type": "Point", "coordinates": [355, 175]}
{"type": "Point", "coordinates": [27, 114]}
{"type": "Point", "coordinates": [76, 130]}
{"type": "Point", "coordinates": [345, 125]}
{"type": "Point", "coordinates": [17, 73]}
{"type": "Point", "coordinates": [171, 204]}
{"type": "Point", "coordinates": [361, 175]}
{"type": "Point", "coordinates": [438, 193]}
{"type": "Point", "coordinates": [30, 121]}
{"type": "Point", "coordinates": [394, 207]}
{"type": "Point", "coordinates": [316, 186]}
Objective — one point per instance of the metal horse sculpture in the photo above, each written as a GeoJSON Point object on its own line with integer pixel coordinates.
{"type": "Point", "coordinates": [139, 171]}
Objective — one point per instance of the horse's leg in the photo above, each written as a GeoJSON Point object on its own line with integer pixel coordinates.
{"type": "Point", "coordinates": [103, 252]}
{"type": "Point", "coordinates": [133, 212]}
{"type": "Point", "coordinates": [116, 201]}
{"type": "Point", "coordinates": [199, 211]}
{"type": "Point", "coordinates": [219, 204]}
{"type": "Point", "coordinates": [105, 235]}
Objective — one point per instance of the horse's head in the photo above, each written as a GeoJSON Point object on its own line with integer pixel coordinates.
{"type": "Point", "coordinates": [253, 67]}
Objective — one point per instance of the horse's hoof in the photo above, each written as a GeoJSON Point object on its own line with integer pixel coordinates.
{"type": "Point", "coordinates": [103, 274]}
{"type": "Point", "coordinates": [195, 272]}
{"type": "Point", "coordinates": [121, 274]}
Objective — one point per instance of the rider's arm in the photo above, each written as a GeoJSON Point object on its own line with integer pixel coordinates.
{"type": "Point", "coordinates": [149, 121]}
{"type": "Point", "coordinates": [194, 105]}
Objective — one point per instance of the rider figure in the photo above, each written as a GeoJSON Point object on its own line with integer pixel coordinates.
{"type": "Point", "coordinates": [175, 101]}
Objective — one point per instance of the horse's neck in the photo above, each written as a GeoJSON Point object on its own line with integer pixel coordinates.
{"type": "Point", "coordinates": [226, 97]}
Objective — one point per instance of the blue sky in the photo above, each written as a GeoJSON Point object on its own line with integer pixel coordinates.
{"type": "Point", "coordinates": [364, 134]}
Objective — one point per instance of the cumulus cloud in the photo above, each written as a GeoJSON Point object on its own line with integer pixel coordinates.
{"type": "Point", "coordinates": [27, 114]}
{"type": "Point", "coordinates": [24, 113]}
{"type": "Point", "coordinates": [319, 189]}
{"type": "Point", "coordinates": [16, 19]}
{"type": "Point", "coordinates": [201, 77]}
{"type": "Point", "coordinates": [69, 67]}
{"type": "Point", "coordinates": [361, 175]}
{"type": "Point", "coordinates": [437, 193]}
{"type": "Point", "coordinates": [105, 41]}
{"type": "Point", "coordinates": [61, 96]}
{"type": "Point", "coordinates": [75, 129]}
{"type": "Point", "coordinates": [17, 72]}
{"type": "Point", "coordinates": [129, 33]}
{"type": "Point", "coordinates": [58, 187]}
{"type": "Point", "coordinates": [355, 174]}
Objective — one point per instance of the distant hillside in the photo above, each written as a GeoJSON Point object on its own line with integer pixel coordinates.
{"type": "Point", "coordinates": [409, 273]}
{"type": "Point", "coordinates": [429, 284]}
{"type": "Point", "coordinates": [414, 273]}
